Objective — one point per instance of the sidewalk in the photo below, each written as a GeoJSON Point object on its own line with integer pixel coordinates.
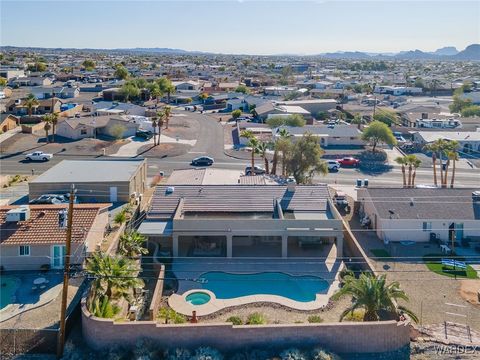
{"type": "Point", "coordinates": [9, 134]}
{"type": "Point", "coordinates": [131, 148]}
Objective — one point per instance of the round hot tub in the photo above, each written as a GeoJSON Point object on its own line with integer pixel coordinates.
{"type": "Point", "coordinates": [197, 298]}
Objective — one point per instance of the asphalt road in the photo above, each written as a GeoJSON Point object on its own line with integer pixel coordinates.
{"type": "Point", "coordinates": [210, 142]}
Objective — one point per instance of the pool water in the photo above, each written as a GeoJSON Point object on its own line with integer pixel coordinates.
{"type": "Point", "coordinates": [299, 288]}
{"type": "Point", "coordinates": [8, 288]}
{"type": "Point", "coordinates": [198, 298]}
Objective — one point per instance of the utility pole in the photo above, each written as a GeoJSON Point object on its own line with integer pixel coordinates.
{"type": "Point", "coordinates": [63, 313]}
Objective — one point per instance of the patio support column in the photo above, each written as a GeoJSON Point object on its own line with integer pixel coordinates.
{"type": "Point", "coordinates": [339, 241]}
{"type": "Point", "coordinates": [284, 246]}
{"type": "Point", "coordinates": [175, 245]}
{"type": "Point", "coordinates": [229, 245]}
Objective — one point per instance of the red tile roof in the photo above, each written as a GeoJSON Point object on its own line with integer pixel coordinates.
{"type": "Point", "coordinates": [42, 227]}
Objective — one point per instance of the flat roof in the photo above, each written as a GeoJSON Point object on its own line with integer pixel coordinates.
{"type": "Point", "coordinates": [81, 171]}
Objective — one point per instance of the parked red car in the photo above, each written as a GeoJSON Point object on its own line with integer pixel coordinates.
{"type": "Point", "coordinates": [349, 161]}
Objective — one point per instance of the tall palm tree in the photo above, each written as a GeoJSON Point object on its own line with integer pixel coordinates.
{"type": "Point", "coordinates": [402, 160]}
{"type": "Point", "coordinates": [167, 111]}
{"type": "Point", "coordinates": [451, 148]}
{"type": "Point", "coordinates": [437, 148]}
{"type": "Point", "coordinates": [453, 155]}
{"type": "Point", "coordinates": [47, 119]}
{"type": "Point", "coordinates": [30, 103]}
{"type": "Point", "coordinates": [254, 144]}
{"type": "Point", "coordinates": [131, 244]}
{"type": "Point", "coordinates": [262, 150]}
{"type": "Point", "coordinates": [54, 119]}
{"type": "Point", "coordinates": [156, 93]}
{"type": "Point", "coordinates": [283, 134]}
{"type": "Point", "coordinates": [357, 119]}
{"type": "Point", "coordinates": [284, 145]}
{"type": "Point", "coordinates": [154, 126]}
{"type": "Point", "coordinates": [160, 122]}
{"type": "Point", "coordinates": [114, 276]}
{"type": "Point", "coordinates": [413, 163]}
{"type": "Point", "coordinates": [373, 295]}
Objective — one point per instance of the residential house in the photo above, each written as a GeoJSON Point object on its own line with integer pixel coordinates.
{"type": "Point", "coordinates": [31, 81]}
{"type": "Point", "coordinates": [59, 92]}
{"type": "Point", "coordinates": [117, 108]}
{"type": "Point", "coordinates": [92, 126]}
{"type": "Point", "coordinates": [314, 106]}
{"type": "Point", "coordinates": [328, 135]}
{"type": "Point", "coordinates": [469, 141]}
{"type": "Point", "coordinates": [186, 85]}
{"type": "Point", "coordinates": [274, 221]}
{"type": "Point", "coordinates": [18, 108]}
{"type": "Point", "coordinates": [95, 180]}
{"type": "Point", "coordinates": [288, 110]}
{"type": "Point", "coordinates": [279, 90]}
{"type": "Point", "coordinates": [420, 214]}
{"type": "Point", "coordinates": [10, 74]}
{"type": "Point", "coordinates": [8, 122]}
{"type": "Point", "coordinates": [33, 237]}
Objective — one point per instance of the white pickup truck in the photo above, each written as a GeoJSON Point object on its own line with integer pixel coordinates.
{"type": "Point", "coordinates": [38, 156]}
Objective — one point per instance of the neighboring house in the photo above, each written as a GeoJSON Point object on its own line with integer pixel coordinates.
{"type": "Point", "coordinates": [328, 135]}
{"type": "Point", "coordinates": [398, 90]}
{"type": "Point", "coordinates": [244, 221]}
{"type": "Point", "coordinates": [31, 81]}
{"type": "Point", "coordinates": [279, 90]}
{"type": "Point", "coordinates": [59, 92]}
{"type": "Point", "coordinates": [117, 108]}
{"type": "Point", "coordinates": [473, 96]}
{"type": "Point", "coordinates": [314, 106]}
{"type": "Point", "coordinates": [10, 74]}
{"type": "Point", "coordinates": [438, 123]}
{"type": "Point", "coordinates": [17, 107]}
{"type": "Point", "coordinates": [287, 110]}
{"type": "Point", "coordinates": [92, 126]}
{"type": "Point", "coordinates": [34, 236]}
{"type": "Point", "coordinates": [469, 141]}
{"type": "Point", "coordinates": [213, 176]}
{"type": "Point", "coordinates": [260, 131]}
{"type": "Point", "coordinates": [186, 85]}
{"type": "Point", "coordinates": [94, 180]}
{"type": "Point", "coordinates": [399, 214]}
{"type": "Point", "coordinates": [5, 92]}
{"type": "Point", "coordinates": [8, 122]}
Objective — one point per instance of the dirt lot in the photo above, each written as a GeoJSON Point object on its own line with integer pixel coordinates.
{"type": "Point", "coordinates": [183, 126]}
{"type": "Point", "coordinates": [163, 150]}
{"type": "Point", "coordinates": [22, 143]}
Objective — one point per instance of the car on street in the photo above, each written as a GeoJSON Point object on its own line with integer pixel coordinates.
{"type": "Point", "coordinates": [349, 161]}
{"type": "Point", "coordinates": [144, 134]}
{"type": "Point", "coordinates": [38, 156]}
{"type": "Point", "coordinates": [333, 165]}
{"type": "Point", "coordinates": [203, 161]}
{"type": "Point", "coordinates": [257, 170]}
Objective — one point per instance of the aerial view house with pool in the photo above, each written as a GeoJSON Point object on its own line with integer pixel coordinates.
{"type": "Point", "coordinates": [242, 243]}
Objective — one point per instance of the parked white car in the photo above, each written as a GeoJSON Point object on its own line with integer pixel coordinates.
{"type": "Point", "coordinates": [38, 156]}
{"type": "Point", "coordinates": [333, 165]}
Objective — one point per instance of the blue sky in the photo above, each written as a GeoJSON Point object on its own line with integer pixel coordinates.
{"type": "Point", "coordinates": [242, 27]}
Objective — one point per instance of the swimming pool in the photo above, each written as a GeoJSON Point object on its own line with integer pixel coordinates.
{"type": "Point", "coordinates": [9, 286]}
{"type": "Point", "coordinates": [228, 285]}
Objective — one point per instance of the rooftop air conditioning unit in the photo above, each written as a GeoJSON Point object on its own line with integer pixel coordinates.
{"type": "Point", "coordinates": [19, 214]}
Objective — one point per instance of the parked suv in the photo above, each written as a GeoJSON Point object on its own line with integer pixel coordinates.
{"type": "Point", "coordinates": [333, 165]}
{"type": "Point", "coordinates": [257, 170]}
{"type": "Point", "coordinates": [144, 134]}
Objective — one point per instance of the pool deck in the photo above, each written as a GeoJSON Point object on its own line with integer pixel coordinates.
{"type": "Point", "coordinates": [189, 270]}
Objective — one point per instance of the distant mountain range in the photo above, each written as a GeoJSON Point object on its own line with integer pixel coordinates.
{"type": "Point", "coordinates": [471, 52]}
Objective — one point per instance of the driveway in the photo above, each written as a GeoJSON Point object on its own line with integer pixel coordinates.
{"type": "Point", "coordinates": [132, 148]}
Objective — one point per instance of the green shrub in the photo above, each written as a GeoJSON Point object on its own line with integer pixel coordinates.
{"type": "Point", "coordinates": [120, 218]}
{"type": "Point", "coordinates": [357, 315]}
{"type": "Point", "coordinates": [171, 316]}
{"type": "Point", "coordinates": [256, 319]}
{"type": "Point", "coordinates": [235, 320]}
{"type": "Point", "coordinates": [315, 319]}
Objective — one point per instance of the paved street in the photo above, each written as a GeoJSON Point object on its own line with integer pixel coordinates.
{"type": "Point", "coordinates": [210, 142]}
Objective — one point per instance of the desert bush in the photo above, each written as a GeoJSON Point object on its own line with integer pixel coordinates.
{"type": "Point", "coordinates": [357, 315]}
{"type": "Point", "coordinates": [171, 316]}
{"type": "Point", "coordinates": [120, 218]}
{"type": "Point", "coordinates": [293, 354]}
{"type": "Point", "coordinates": [315, 319]}
{"type": "Point", "coordinates": [256, 319]}
{"type": "Point", "coordinates": [235, 320]}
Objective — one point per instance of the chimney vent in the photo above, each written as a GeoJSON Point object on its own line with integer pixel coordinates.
{"type": "Point", "coordinates": [291, 184]}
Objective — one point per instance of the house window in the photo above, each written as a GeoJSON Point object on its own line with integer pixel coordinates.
{"type": "Point", "coordinates": [24, 250]}
{"type": "Point", "coordinates": [47, 108]}
{"type": "Point", "coordinates": [83, 132]}
{"type": "Point", "coordinates": [427, 226]}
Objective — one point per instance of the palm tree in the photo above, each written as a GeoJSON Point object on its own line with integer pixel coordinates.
{"type": "Point", "coordinates": [374, 295]}
{"type": "Point", "coordinates": [54, 120]}
{"type": "Point", "coordinates": [284, 145]}
{"type": "Point", "coordinates": [167, 110]}
{"type": "Point", "coordinates": [357, 119]}
{"type": "Point", "coordinates": [160, 122]}
{"type": "Point", "coordinates": [413, 163]}
{"type": "Point", "coordinates": [283, 134]}
{"type": "Point", "coordinates": [438, 148]}
{"type": "Point", "coordinates": [114, 276]}
{"type": "Point", "coordinates": [453, 155]}
{"type": "Point", "coordinates": [254, 144]}
{"type": "Point", "coordinates": [131, 244]}
{"type": "Point", "coordinates": [47, 119]}
{"type": "Point", "coordinates": [156, 93]}
{"type": "Point", "coordinates": [30, 103]}
{"type": "Point", "coordinates": [402, 160]}
{"type": "Point", "coordinates": [154, 126]}
{"type": "Point", "coordinates": [262, 150]}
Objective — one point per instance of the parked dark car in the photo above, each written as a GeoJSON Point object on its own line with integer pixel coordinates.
{"type": "Point", "coordinates": [258, 170]}
{"type": "Point", "coordinates": [203, 161]}
{"type": "Point", "coordinates": [144, 134]}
